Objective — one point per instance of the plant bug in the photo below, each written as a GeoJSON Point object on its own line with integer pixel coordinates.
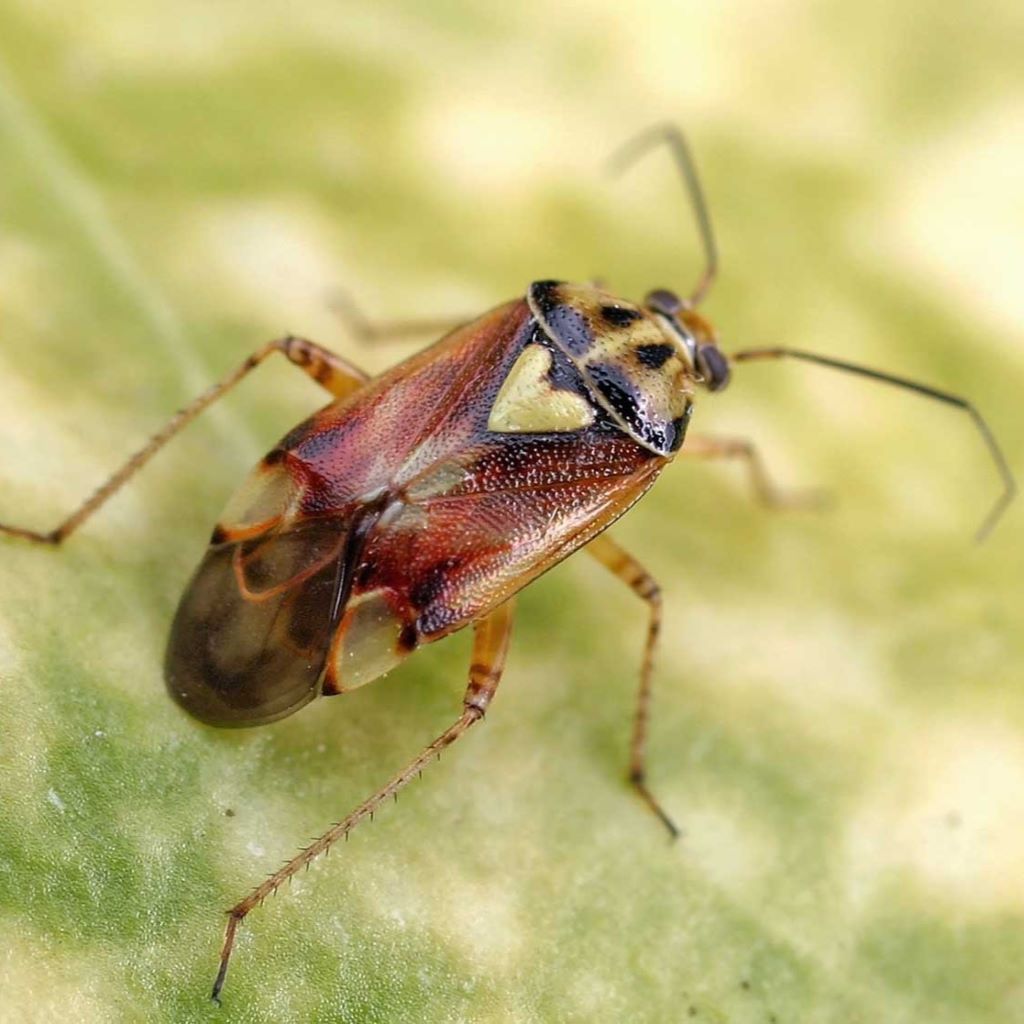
{"type": "Point", "coordinates": [420, 502]}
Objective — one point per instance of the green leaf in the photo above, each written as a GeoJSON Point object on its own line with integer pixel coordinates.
{"type": "Point", "coordinates": [838, 719]}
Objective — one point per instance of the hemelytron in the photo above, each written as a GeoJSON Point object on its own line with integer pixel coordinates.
{"type": "Point", "coordinates": [420, 502]}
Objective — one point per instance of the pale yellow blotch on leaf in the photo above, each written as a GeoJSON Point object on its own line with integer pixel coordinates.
{"type": "Point", "coordinates": [946, 809]}
{"type": "Point", "coordinates": [44, 983]}
{"type": "Point", "coordinates": [527, 403]}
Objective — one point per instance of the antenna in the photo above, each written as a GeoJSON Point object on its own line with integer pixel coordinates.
{"type": "Point", "coordinates": [1002, 466]}
{"type": "Point", "coordinates": [669, 135]}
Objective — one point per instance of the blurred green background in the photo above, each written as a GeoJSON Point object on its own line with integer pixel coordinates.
{"type": "Point", "coordinates": [839, 718]}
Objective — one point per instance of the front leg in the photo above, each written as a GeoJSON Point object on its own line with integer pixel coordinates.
{"type": "Point", "coordinates": [704, 446]}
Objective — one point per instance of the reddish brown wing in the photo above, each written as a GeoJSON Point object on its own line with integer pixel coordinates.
{"type": "Point", "coordinates": [390, 517]}
{"type": "Point", "coordinates": [458, 549]}
{"type": "Point", "coordinates": [473, 514]}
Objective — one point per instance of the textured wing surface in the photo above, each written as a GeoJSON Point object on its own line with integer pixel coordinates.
{"type": "Point", "coordinates": [479, 504]}
{"type": "Point", "coordinates": [474, 531]}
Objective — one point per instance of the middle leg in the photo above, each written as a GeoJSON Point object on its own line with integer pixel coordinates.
{"type": "Point", "coordinates": [368, 331]}
{"type": "Point", "coordinates": [636, 577]}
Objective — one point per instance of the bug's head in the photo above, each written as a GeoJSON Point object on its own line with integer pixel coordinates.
{"type": "Point", "coordinates": [695, 335]}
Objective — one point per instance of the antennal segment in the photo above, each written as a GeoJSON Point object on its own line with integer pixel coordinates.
{"type": "Point", "coordinates": [669, 135]}
{"type": "Point", "coordinates": [1003, 467]}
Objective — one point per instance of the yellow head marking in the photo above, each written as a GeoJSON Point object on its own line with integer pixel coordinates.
{"type": "Point", "coordinates": [528, 403]}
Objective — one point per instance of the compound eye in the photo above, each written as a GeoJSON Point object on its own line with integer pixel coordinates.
{"type": "Point", "coordinates": [661, 300]}
{"type": "Point", "coordinates": [714, 366]}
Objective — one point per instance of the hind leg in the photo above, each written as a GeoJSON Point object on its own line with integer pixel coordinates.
{"type": "Point", "coordinates": [332, 372]}
{"type": "Point", "coordinates": [490, 648]}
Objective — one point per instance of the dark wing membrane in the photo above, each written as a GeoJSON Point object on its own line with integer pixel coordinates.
{"type": "Point", "coordinates": [254, 626]}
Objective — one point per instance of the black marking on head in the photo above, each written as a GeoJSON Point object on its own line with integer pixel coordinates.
{"type": "Point", "coordinates": [219, 535]}
{"type": "Point", "coordinates": [655, 356]}
{"type": "Point", "coordinates": [274, 457]}
{"type": "Point", "coordinates": [567, 325]}
{"type": "Point", "coordinates": [408, 639]}
{"type": "Point", "coordinates": [619, 316]}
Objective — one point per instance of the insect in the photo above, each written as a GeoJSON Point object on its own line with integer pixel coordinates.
{"type": "Point", "coordinates": [420, 502]}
